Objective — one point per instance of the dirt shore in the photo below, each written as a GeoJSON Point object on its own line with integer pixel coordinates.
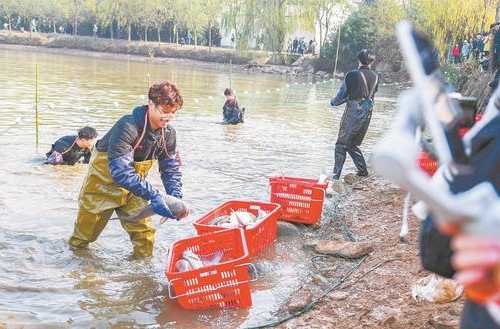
{"type": "Point", "coordinates": [252, 61]}
{"type": "Point", "coordinates": [378, 293]}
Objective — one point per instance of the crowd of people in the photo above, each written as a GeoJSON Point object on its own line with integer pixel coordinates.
{"type": "Point", "coordinates": [479, 48]}
{"type": "Point", "coordinates": [299, 46]}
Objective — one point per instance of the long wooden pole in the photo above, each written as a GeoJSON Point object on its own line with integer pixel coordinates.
{"type": "Point", "coordinates": [230, 71]}
{"type": "Point", "coordinates": [37, 122]}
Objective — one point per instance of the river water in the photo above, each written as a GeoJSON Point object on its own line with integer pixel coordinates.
{"type": "Point", "coordinates": [289, 130]}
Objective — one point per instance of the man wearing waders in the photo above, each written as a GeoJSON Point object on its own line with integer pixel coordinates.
{"type": "Point", "coordinates": [116, 180]}
{"type": "Point", "coordinates": [357, 92]}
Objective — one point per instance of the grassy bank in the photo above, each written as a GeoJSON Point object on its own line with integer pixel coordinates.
{"type": "Point", "coordinates": [147, 49]}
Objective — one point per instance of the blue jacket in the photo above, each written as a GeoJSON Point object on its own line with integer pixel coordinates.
{"type": "Point", "coordinates": [119, 143]}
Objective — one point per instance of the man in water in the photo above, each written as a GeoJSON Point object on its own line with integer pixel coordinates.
{"type": "Point", "coordinates": [118, 168]}
{"type": "Point", "coordinates": [357, 91]}
{"type": "Point", "coordinates": [231, 110]}
{"type": "Point", "coordinates": [69, 150]}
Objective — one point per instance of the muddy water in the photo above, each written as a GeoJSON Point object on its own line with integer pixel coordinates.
{"type": "Point", "coordinates": [289, 129]}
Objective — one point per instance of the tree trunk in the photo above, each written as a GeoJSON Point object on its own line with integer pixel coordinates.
{"type": "Point", "coordinates": [209, 37]}
{"type": "Point", "coordinates": [75, 25]}
{"type": "Point", "coordinates": [129, 32]}
{"type": "Point", "coordinates": [9, 19]}
{"type": "Point", "coordinates": [195, 37]}
{"type": "Point", "coordinates": [159, 37]}
{"type": "Point", "coordinates": [111, 30]}
{"type": "Point", "coordinates": [146, 34]}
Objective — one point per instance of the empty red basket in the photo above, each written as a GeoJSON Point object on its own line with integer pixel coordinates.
{"type": "Point", "coordinates": [258, 237]}
{"type": "Point", "coordinates": [301, 199]}
{"type": "Point", "coordinates": [222, 285]}
{"type": "Point", "coordinates": [427, 164]}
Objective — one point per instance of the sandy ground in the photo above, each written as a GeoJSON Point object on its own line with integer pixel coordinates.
{"type": "Point", "coordinates": [378, 293]}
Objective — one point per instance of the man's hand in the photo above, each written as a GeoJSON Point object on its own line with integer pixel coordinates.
{"type": "Point", "coordinates": [477, 261]}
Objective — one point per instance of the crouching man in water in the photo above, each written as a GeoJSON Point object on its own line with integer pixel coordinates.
{"type": "Point", "coordinates": [69, 150]}
{"type": "Point", "coordinates": [231, 110]}
{"type": "Point", "coordinates": [118, 168]}
{"type": "Point", "coordinates": [357, 91]}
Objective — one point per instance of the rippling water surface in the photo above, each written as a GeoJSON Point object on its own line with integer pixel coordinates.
{"type": "Point", "coordinates": [289, 129]}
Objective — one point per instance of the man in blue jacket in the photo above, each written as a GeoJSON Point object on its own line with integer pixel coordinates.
{"type": "Point", "coordinates": [118, 168]}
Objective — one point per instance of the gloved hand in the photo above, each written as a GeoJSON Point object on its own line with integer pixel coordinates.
{"type": "Point", "coordinates": [159, 205]}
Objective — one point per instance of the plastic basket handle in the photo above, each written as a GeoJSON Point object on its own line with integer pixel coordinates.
{"type": "Point", "coordinates": [312, 188]}
{"type": "Point", "coordinates": [172, 296]}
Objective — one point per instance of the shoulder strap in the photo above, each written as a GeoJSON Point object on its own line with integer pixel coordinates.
{"type": "Point", "coordinates": [71, 146]}
{"type": "Point", "coordinates": [368, 91]}
{"type": "Point", "coordinates": [141, 137]}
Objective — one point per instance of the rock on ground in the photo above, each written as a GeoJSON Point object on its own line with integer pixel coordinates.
{"type": "Point", "coordinates": [299, 300]}
{"type": "Point", "coordinates": [344, 249]}
{"type": "Point", "coordinates": [287, 229]}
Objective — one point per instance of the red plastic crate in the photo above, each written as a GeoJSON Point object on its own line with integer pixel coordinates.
{"type": "Point", "coordinates": [297, 180]}
{"type": "Point", "coordinates": [258, 237]}
{"type": "Point", "coordinates": [301, 199]}
{"type": "Point", "coordinates": [427, 164]}
{"type": "Point", "coordinates": [222, 285]}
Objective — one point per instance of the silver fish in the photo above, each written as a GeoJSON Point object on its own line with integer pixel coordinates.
{"type": "Point", "coordinates": [177, 206]}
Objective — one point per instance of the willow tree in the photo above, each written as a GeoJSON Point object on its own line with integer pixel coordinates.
{"type": "Point", "coordinates": [239, 17]}
{"type": "Point", "coordinates": [53, 11]}
{"type": "Point", "coordinates": [106, 14]}
{"type": "Point", "coordinates": [323, 14]}
{"type": "Point", "coordinates": [449, 21]}
{"type": "Point", "coordinates": [161, 12]}
{"type": "Point", "coordinates": [274, 22]}
{"type": "Point", "coordinates": [212, 11]}
{"type": "Point", "coordinates": [189, 14]}
{"type": "Point", "coordinates": [74, 9]}
{"type": "Point", "coordinates": [8, 9]}
{"type": "Point", "coordinates": [129, 13]}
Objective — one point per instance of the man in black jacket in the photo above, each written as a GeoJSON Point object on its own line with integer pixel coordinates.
{"type": "Point", "coordinates": [357, 90]}
{"type": "Point", "coordinates": [70, 149]}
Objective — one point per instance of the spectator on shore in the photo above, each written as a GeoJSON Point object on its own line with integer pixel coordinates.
{"type": "Point", "coordinates": [495, 54]}
{"type": "Point", "coordinates": [33, 25]}
{"type": "Point", "coordinates": [295, 45]}
{"type": "Point", "coordinates": [455, 52]}
{"type": "Point", "coordinates": [487, 44]}
{"type": "Point", "coordinates": [466, 48]}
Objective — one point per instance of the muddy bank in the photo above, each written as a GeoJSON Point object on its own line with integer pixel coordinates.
{"type": "Point", "coordinates": [253, 61]}
{"type": "Point", "coordinates": [119, 46]}
{"type": "Point", "coordinates": [373, 291]}
{"type": "Point", "coordinates": [477, 86]}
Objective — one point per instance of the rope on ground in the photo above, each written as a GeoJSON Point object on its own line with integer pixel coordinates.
{"type": "Point", "coordinates": [309, 306]}
{"type": "Point", "coordinates": [373, 269]}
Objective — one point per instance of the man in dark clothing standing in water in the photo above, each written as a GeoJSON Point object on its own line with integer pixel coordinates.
{"type": "Point", "coordinates": [357, 92]}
